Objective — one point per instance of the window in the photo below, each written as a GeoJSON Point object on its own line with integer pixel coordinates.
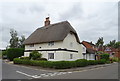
{"type": "Point", "coordinates": [71, 44]}
{"type": "Point", "coordinates": [71, 56]}
{"type": "Point", "coordinates": [90, 56]}
{"type": "Point", "coordinates": [50, 55]}
{"type": "Point", "coordinates": [50, 43]}
{"type": "Point", "coordinates": [32, 45]}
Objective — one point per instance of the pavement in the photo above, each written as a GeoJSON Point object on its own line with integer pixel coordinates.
{"type": "Point", "coordinates": [13, 71]}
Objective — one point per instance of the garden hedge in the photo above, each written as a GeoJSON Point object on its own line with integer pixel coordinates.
{"type": "Point", "coordinates": [14, 53]}
{"type": "Point", "coordinates": [105, 56]}
{"type": "Point", "coordinates": [59, 64]}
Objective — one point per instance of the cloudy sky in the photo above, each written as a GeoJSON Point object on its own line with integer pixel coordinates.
{"type": "Point", "coordinates": [90, 19]}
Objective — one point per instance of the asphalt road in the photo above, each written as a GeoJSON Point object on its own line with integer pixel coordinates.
{"type": "Point", "coordinates": [109, 72]}
{"type": "Point", "coordinates": [10, 71]}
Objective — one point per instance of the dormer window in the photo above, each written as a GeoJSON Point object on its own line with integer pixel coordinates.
{"type": "Point", "coordinates": [32, 45]}
{"type": "Point", "coordinates": [50, 43]}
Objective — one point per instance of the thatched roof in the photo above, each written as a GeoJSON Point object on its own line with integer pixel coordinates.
{"type": "Point", "coordinates": [52, 32]}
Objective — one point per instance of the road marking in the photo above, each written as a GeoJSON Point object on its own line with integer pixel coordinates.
{"type": "Point", "coordinates": [43, 75]}
{"type": "Point", "coordinates": [24, 74]}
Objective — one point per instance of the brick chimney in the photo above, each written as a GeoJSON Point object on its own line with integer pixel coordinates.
{"type": "Point", "coordinates": [47, 21]}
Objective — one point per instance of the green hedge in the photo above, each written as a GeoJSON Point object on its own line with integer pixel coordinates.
{"type": "Point", "coordinates": [59, 64]}
{"type": "Point", "coordinates": [81, 62]}
{"type": "Point", "coordinates": [92, 62]}
{"type": "Point", "coordinates": [102, 61]}
{"type": "Point", "coordinates": [14, 53]}
{"type": "Point", "coordinates": [43, 59]}
{"type": "Point", "coordinates": [104, 56]}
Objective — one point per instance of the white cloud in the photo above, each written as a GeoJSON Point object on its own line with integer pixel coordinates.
{"type": "Point", "coordinates": [91, 20]}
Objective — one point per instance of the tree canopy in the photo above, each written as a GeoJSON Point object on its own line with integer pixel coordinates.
{"type": "Point", "coordinates": [15, 41]}
{"type": "Point", "coordinates": [100, 42]}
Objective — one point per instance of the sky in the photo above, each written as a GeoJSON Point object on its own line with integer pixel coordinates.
{"type": "Point", "coordinates": [91, 20]}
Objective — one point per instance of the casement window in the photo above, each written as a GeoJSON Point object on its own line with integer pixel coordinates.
{"type": "Point", "coordinates": [50, 55]}
{"type": "Point", "coordinates": [32, 45]}
{"type": "Point", "coordinates": [50, 43]}
{"type": "Point", "coordinates": [89, 56]}
{"type": "Point", "coordinates": [71, 56]}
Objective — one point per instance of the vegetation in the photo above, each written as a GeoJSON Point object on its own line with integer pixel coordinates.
{"type": "Point", "coordinates": [34, 55]}
{"type": "Point", "coordinates": [100, 42]}
{"type": "Point", "coordinates": [59, 64]}
{"type": "Point", "coordinates": [113, 44]}
{"type": "Point", "coordinates": [15, 41]}
{"type": "Point", "coordinates": [81, 62]}
{"type": "Point", "coordinates": [115, 59]}
{"type": "Point", "coordinates": [0, 54]}
{"type": "Point", "coordinates": [104, 56]}
{"type": "Point", "coordinates": [14, 53]}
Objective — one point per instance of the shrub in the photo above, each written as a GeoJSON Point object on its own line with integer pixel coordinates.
{"type": "Point", "coordinates": [115, 59]}
{"type": "Point", "coordinates": [104, 56]}
{"type": "Point", "coordinates": [81, 62]}
{"type": "Point", "coordinates": [4, 54]}
{"type": "Point", "coordinates": [102, 61]}
{"type": "Point", "coordinates": [25, 58]}
{"type": "Point", "coordinates": [59, 64]}
{"type": "Point", "coordinates": [21, 61]}
{"type": "Point", "coordinates": [43, 59]}
{"type": "Point", "coordinates": [64, 64]}
{"type": "Point", "coordinates": [46, 64]}
{"type": "Point", "coordinates": [92, 62]}
{"type": "Point", "coordinates": [35, 55]}
{"type": "Point", "coordinates": [14, 53]}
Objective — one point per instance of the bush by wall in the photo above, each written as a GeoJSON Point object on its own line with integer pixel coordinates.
{"type": "Point", "coordinates": [59, 64]}
{"type": "Point", "coordinates": [105, 56]}
{"type": "Point", "coordinates": [81, 62]}
{"type": "Point", "coordinates": [25, 58]}
{"type": "Point", "coordinates": [14, 53]}
{"type": "Point", "coordinates": [43, 59]}
{"type": "Point", "coordinates": [102, 61]}
{"type": "Point", "coordinates": [35, 55]}
{"type": "Point", "coordinates": [92, 62]}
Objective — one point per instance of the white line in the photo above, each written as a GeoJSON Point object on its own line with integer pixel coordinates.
{"type": "Point", "coordinates": [26, 74]}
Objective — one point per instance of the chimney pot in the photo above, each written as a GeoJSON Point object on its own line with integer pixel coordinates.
{"type": "Point", "coordinates": [47, 21]}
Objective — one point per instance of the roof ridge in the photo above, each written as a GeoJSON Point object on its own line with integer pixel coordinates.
{"type": "Point", "coordinates": [53, 24]}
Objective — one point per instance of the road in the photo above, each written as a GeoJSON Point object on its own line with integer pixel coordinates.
{"type": "Point", "coordinates": [109, 72]}
{"type": "Point", "coordinates": [10, 71]}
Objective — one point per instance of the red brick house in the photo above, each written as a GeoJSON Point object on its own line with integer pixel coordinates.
{"type": "Point", "coordinates": [112, 51]}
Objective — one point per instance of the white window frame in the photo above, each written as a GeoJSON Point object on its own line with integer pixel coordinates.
{"type": "Point", "coordinates": [71, 56]}
{"type": "Point", "coordinates": [32, 45]}
{"type": "Point", "coordinates": [49, 57]}
{"type": "Point", "coordinates": [50, 43]}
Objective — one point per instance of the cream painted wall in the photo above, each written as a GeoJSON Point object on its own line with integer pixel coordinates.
{"type": "Point", "coordinates": [59, 55]}
{"type": "Point", "coordinates": [44, 46]}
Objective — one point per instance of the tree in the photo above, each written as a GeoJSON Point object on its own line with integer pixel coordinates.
{"type": "Point", "coordinates": [112, 43]}
{"type": "Point", "coordinates": [21, 40]}
{"type": "Point", "coordinates": [14, 39]}
{"type": "Point", "coordinates": [100, 42]}
{"type": "Point", "coordinates": [117, 45]}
